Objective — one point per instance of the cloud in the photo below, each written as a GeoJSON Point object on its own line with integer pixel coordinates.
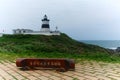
{"type": "Point", "coordinates": [81, 19]}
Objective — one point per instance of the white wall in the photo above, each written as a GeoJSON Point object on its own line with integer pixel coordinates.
{"type": "Point", "coordinates": [45, 22]}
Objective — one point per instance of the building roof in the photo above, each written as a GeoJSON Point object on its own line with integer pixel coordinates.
{"type": "Point", "coordinates": [45, 18]}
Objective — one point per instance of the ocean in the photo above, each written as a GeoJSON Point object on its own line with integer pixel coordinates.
{"type": "Point", "coordinates": [110, 44]}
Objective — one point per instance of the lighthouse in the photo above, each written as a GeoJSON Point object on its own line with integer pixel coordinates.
{"type": "Point", "coordinates": [45, 29]}
{"type": "Point", "coordinates": [45, 24]}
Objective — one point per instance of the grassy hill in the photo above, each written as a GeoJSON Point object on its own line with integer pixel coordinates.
{"type": "Point", "coordinates": [41, 43]}
{"type": "Point", "coordinates": [15, 46]}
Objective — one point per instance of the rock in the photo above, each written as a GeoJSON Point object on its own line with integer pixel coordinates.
{"type": "Point", "coordinates": [111, 51]}
{"type": "Point", "coordinates": [118, 49]}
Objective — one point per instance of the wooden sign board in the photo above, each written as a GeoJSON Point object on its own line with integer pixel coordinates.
{"type": "Point", "coordinates": [58, 64]}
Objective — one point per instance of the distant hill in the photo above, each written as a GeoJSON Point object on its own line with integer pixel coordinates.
{"type": "Point", "coordinates": [41, 43]}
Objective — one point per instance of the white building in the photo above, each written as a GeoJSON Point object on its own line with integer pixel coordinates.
{"type": "Point", "coordinates": [45, 29]}
{"type": "Point", "coordinates": [22, 31]}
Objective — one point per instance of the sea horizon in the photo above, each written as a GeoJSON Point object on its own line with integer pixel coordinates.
{"type": "Point", "coordinates": [109, 44]}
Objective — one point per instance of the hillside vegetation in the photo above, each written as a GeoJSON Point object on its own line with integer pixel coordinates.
{"type": "Point", "coordinates": [41, 43]}
{"type": "Point", "coordinates": [40, 46]}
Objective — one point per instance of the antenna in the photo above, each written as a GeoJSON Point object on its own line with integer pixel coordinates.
{"type": "Point", "coordinates": [56, 28]}
{"type": "Point", "coordinates": [3, 31]}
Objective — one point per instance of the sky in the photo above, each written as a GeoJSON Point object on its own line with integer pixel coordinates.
{"type": "Point", "coordinates": [79, 19]}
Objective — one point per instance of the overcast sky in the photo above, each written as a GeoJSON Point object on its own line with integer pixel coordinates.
{"type": "Point", "coordinates": [80, 19]}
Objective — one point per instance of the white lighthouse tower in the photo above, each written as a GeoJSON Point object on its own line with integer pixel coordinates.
{"type": "Point", "coordinates": [45, 24]}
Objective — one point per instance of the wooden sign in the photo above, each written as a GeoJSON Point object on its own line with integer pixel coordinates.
{"type": "Point", "coordinates": [47, 63]}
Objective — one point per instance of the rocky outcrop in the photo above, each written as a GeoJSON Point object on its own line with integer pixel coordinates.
{"type": "Point", "coordinates": [114, 51]}
{"type": "Point", "coordinates": [118, 49]}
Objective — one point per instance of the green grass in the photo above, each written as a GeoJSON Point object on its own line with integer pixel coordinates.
{"type": "Point", "coordinates": [47, 44]}
{"type": "Point", "coordinates": [40, 46]}
{"type": "Point", "coordinates": [76, 57]}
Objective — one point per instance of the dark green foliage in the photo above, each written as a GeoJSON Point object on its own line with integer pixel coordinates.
{"type": "Point", "coordinates": [40, 46]}
{"type": "Point", "coordinates": [41, 43]}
